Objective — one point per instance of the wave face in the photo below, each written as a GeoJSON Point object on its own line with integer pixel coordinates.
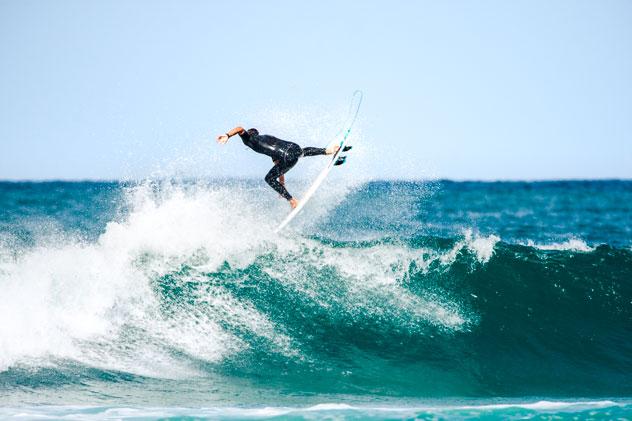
{"type": "Point", "coordinates": [391, 289]}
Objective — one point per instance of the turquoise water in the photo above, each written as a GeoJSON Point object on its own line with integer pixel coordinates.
{"type": "Point", "coordinates": [386, 300]}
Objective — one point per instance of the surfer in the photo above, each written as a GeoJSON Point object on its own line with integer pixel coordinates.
{"type": "Point", "coordinates": [284, 154]}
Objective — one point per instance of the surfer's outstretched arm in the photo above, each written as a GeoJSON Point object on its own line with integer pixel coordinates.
{"type": "Point", "coordinates": [223, 138]}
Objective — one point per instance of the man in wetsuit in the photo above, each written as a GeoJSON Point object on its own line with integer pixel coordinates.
{"type": "Point", "coordinates": [284, 155]}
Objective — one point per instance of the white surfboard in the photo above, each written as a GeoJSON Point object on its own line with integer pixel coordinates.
{"type": "Point", "coordinates": [340, 140]}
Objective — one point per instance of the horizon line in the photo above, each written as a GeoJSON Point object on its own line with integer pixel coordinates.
{"type": "Point", "coordinates": [189, 179]}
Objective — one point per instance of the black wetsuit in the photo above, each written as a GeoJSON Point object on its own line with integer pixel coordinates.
{"type": "Point", "coordinates": [284, 154]}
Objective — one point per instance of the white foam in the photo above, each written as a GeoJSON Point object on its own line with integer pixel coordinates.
{"type": "Point", "coordinates": [81, 301]}
{"type": "Point", "coordinates": [97, 303]}
{"type": "Point", "coordinates": [545, 405]}
{"type": "Point", "coordinates": [324, 410]}
{"type": "Point", "coordinates": [482, 247]}
{"type": "Point", "coordinates": [370, 283]}
{"type": "Point", "coordinates": [574, 244]}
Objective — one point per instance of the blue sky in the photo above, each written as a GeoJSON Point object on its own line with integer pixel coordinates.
{"type": "Point", "coordinates": [453, 89]}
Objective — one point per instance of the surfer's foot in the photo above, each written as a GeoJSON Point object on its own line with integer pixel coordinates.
{"type": "Point", "coordinates": [293, 203]}
{"type": "Point", "coordinates": [332, 150]}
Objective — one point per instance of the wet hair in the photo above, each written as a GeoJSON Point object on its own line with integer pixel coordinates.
{"type": "Point", "coordinates": [253, 132]}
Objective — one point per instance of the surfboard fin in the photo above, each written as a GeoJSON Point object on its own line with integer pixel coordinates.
{"type": "Point", "coordinates": [341, 160]}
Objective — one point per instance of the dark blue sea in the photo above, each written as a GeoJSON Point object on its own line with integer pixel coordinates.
{"type": "Point", "coordinates": [382, 300]}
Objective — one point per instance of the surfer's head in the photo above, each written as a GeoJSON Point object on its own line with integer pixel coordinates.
{"type": "Point", "coordinates": [253, 132]}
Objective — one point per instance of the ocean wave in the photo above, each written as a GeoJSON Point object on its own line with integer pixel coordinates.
{"type": "Point", "coordinates": [88, 301]}
{"type": "Point", "coordinates": [191, 283]}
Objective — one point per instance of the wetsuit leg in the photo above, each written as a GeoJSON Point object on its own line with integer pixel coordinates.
{"type": "Point", "coordinates": [309, 151]}
{"type": "Point", "coordinates": [283, 165]}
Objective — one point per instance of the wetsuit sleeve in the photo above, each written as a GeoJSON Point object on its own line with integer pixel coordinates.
{"type": "Point", "coordinates": [245, 136]}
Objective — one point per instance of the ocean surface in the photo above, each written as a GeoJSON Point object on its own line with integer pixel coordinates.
{"type": "Point", "coordinates": [383, 300]}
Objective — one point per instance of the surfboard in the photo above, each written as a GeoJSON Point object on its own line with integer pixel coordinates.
{"type": "Point", "coordinates": [340, 139]}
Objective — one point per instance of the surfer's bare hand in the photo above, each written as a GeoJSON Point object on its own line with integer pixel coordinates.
{"type": "Point", "coordinates": [332, 150]}
{"type": "Point", "coordinates": [293, 203]}
{"type": "Point", "coordinates": [222, 138]}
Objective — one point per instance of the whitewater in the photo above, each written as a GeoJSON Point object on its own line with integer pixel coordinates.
{"type": "Point", "coordinates": [393, 299]}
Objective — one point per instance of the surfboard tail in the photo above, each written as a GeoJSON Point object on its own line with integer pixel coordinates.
{"type": "Point", "coordinates": [337, 159]}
